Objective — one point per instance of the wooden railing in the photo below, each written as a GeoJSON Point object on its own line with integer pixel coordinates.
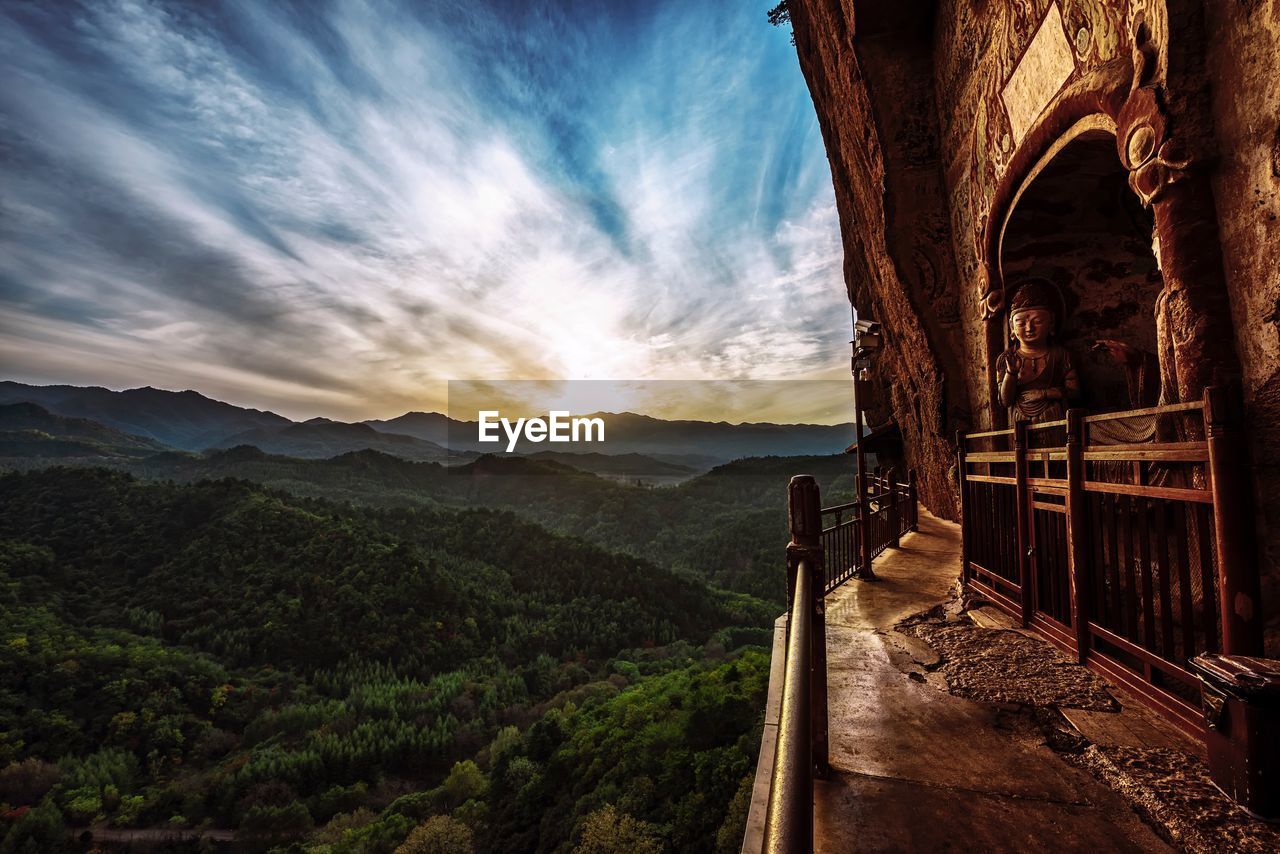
{"type": "Point", "coordinates": [825, 551]}
{"type": "Point", "coordinates": [892, 511]}
{"type": "Point", "coordinates": [1121, 537]}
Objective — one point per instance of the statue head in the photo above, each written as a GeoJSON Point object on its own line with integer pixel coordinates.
{"type": "Point", "coordinates": [1034, 312]}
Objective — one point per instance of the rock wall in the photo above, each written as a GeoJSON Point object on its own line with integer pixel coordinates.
{"type": "Point", "coordinates": [938, 116]}
{"type": "Point", "coordinates": [898, 262]}
{"type": "Point", "coordinates": [1243, 63]}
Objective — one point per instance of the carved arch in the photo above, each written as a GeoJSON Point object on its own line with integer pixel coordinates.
{"type": "Point", "coordinates": [1155, 105]}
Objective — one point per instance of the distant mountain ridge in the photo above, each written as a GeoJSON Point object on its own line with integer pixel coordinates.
{"type": "Point", "coordinates": [189, 421]}
{"type": "Point", "coordinates": [321, 438]}
{"type": "Point", "coordinates": [29, 430]}
{"type": "Point", "coordinates": [182, 419]}
{"type": "Point", "coordinates": [630, 433]}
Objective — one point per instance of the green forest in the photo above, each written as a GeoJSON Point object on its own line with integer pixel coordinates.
{"type": "Point", "coordinates": [726, 526]}
{"type": "Point", "coordinates": [509, 656]}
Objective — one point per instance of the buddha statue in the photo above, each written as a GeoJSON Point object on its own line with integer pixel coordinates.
{"type": "Point", "coordinates": [1035, 376]}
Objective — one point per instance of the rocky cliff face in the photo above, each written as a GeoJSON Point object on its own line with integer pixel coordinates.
{"type": "Point", "coordinates": [898, 263]}
{"type": "Point", "coordinates": [1243, 46]}
{"type": "Point", "coordinates": [938, 116]}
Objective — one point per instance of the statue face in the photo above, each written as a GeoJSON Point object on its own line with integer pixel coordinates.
{"type": "Point", "coordinates": [1032, 326]}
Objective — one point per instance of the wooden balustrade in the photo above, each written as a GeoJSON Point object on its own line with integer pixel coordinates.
{"type": "Point", "coordinates": [1121, 537]}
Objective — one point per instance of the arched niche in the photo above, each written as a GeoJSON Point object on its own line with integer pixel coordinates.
{"type": "Point", "coordinates": [1075, 221]}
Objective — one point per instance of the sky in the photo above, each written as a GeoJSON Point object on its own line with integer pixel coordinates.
{"type": "Point", "coordinates": [338, 208]}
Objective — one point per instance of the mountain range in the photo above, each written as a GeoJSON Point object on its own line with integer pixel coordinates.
{"type": "Point", "coordinates": [148, 420]}
{"type": "Point", "coordinates": [682, 442]}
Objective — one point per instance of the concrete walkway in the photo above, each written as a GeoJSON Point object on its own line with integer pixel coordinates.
{"type": "Point", "coordinates": [914, 768]}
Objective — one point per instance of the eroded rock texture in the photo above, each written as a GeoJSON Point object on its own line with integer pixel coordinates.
{"type": "Point", "coordinates": [898, 262]}
{"type": "Point", "coordinates": [1128, 150]}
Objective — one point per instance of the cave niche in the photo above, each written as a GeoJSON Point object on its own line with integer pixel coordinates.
{"type": "Point", "coordinates": [1078, 224]}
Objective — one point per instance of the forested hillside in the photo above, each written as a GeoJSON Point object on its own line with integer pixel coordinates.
{"type": "Point", "coordinates": [726, 526]}
{"type": "Point", "coordinates": [218, 654]}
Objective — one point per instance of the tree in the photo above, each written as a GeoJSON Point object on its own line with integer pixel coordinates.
{"type": "Point", "coordinates": [607, 831]}
{"type": "Point", "coordinates": [465, 781]}
{"type": "Point", "coordinates": [439, 834]}
{"type": "Point", "coordinates": [780, 15]}
{"type": "Point", "coordinates": [41, 829]}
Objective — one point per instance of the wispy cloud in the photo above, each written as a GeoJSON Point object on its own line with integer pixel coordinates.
{"type": "Point", "coordinates": [336, 209]}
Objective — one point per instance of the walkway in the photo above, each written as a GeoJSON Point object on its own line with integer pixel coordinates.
{"type": "Point", "coordinates": [916, 769]}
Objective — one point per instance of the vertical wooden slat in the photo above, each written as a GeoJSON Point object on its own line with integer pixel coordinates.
{"type": "Point", "coordinates": [1077, 533]}
{"type": "Point", "coordinates": [846, 549]}
{"type": "Point", "coordinates": [847, 546]}
{"type": "Point", "coordinates": [1004, 534]}
{"type": "Point", "coordinates": [1131, 581]}
{"type": "Point", "coordinates": [1115, 597]}
{"type": "Point", "coordinates": [1042, 559]}
{"type": "Point", "coordinates": [1208, 578]}
{"type": "Point", "coordinates": [994, 562]}
{"type": "Point", "coordinates": [1050, 559]}
{"type": "Point", "coordinates": [1008, 495]}
{"type": "Point", "coordinates": [1148, 589]}
{"type": "Point", "coordinates": [1064, 561]}
{"type": "Point", "coordinates": [1033, 567]}
{"type": "Point", "coordinates": [1097, 570]}
{"type": "Point", "coordinates": [1022, 505]}
{"type": "Point", "coordinates": [1164, 586]}
{"type": "Point", "coordinates": [1183, 563]}
{"type": "Point", "coordinates": [1056, 567]}
{"type": "Point", "coordinates": [1006, 524]}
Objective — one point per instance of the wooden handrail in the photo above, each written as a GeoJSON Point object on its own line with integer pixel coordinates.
{"type": "Point", "coordinates": [801, 749]}
{"type": "Point", "coordinates": [988, 434]}
{"type": "Point", "coordinates": [1152, 410]}
{"type": "Point", "coordinates": [788, 823]}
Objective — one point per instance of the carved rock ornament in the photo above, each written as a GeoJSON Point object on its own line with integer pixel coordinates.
{"type": "Point", "coordinates": [1154, 158]}
{"type": "Point", "coordinates": [1155, 173]}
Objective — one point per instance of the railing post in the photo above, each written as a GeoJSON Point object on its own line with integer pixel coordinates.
{"type": "Point", "coordinates": [914, 498]}
{"type": "Point", "coordinates": [1077, 533]}
{"type": "Point", "coordinates": [804, 510]}
{"type": "Point", "coordinates": [895, 520]}
{"type": "Point", "coordinates": [864, 570]}
{"type": "Point", "coordinates": [966, 573]}
{"type": "Point", "coordinates": [1239, 593]}
{"type": "Point", "coordinates": [1024, 528]}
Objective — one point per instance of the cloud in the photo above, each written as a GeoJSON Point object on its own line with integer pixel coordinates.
{"type": "Point", "coordinates": [335, 209]}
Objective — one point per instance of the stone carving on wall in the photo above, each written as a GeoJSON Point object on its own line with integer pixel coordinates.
{"type": "Point", "coordinates": [1048, 44]}
{"type": "Point", "coordinates": [1154, 157]}
{"type": "Point", "coordinates": [1094, 30]}
{"type": "Point", "coordinates": [1046, 64]}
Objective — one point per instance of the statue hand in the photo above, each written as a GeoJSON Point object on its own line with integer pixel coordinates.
{"type": "Point", "coordinates": [1014, 363]}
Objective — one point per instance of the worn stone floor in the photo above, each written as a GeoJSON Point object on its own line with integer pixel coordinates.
{"type": "Point", "coordinates": [915, 768]}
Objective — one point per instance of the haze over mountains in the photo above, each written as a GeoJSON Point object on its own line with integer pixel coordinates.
{"type": "Point", "coordinates": [148, 420]}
